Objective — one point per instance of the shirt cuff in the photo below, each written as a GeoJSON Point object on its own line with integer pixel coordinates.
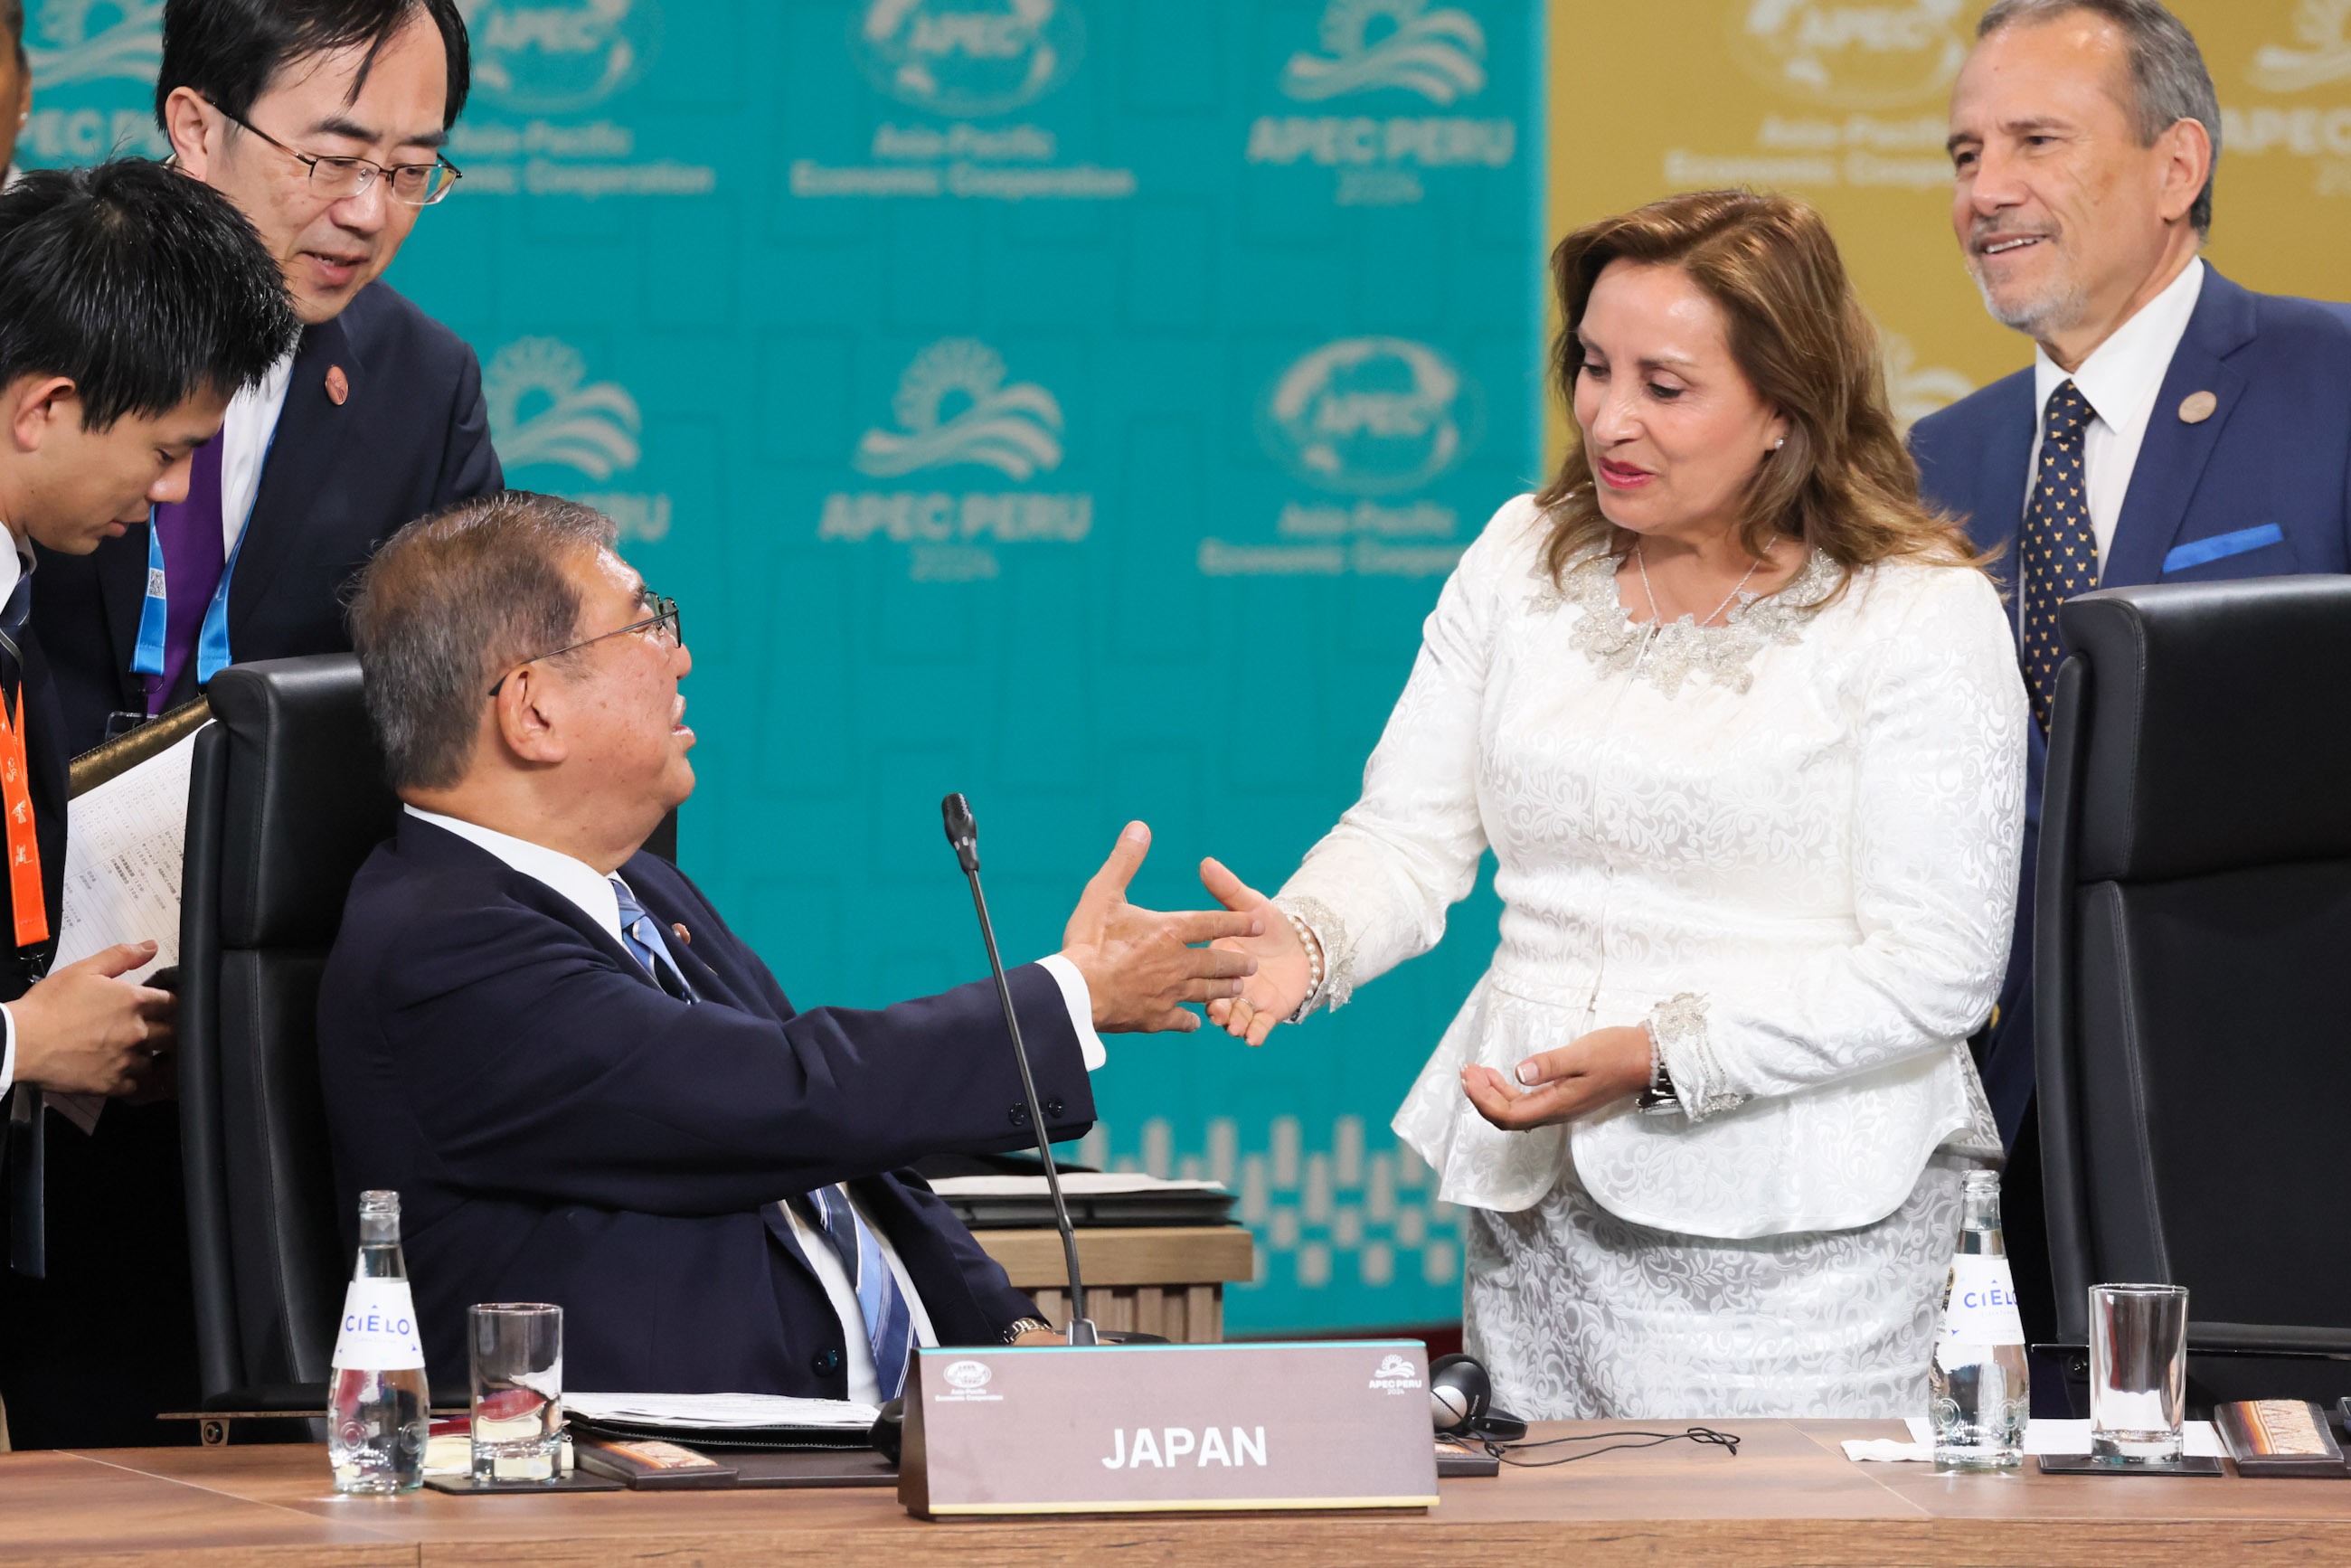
{"type": "Point", "coordinates": [1075, 996]}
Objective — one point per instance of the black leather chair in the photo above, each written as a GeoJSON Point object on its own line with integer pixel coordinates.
{"type": "Point", "coordinates": [286, 800]}
{"type": "Point", "coordinates": [2193, 971]}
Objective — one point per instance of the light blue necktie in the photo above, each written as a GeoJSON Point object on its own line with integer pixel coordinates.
{"type": "Point", "coordinates": [889, 1324]}
{"type": "Point", "coordinates": [641, 934]}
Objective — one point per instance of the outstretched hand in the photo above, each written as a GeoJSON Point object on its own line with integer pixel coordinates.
{"type": "Point", "coordinates": [1582, 1075]}
{"type": "Point", "coordinates": [1140, 965]}
{"type": "Point", "coordinates": [1283, 970]}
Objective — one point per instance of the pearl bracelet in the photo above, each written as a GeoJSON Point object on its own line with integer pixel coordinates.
{"type": "Point", "coordinates": [1313, 947]}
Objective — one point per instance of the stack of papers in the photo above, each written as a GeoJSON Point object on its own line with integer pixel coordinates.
{"type": "Point", "coordinates": [1074, 1184]}
{"type": "Point", "coordinates": [723, 1412]}
{"type": "Point", "coordinates": [1094, 1197]}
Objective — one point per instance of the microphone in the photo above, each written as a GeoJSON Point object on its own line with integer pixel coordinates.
{"type": "Point", "coordinates": [964, 834]}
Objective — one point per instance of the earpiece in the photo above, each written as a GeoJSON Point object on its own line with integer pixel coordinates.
{"type": "Point", "coordinates": [1461, 1402]}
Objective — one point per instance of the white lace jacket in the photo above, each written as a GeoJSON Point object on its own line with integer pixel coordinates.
{"type": "Point", "coordinates": [1789, 844]}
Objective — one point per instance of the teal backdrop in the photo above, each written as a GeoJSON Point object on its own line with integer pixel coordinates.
{"type": "Point", "coordinates": [1073, 402]}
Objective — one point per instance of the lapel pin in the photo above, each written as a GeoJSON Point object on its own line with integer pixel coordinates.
{"type": "Point", "coordinates": [339, 385]}
{"type": "Point", "coordinates": [683, 934]}
{"type": "Point", "coordinates": [2197, 407]}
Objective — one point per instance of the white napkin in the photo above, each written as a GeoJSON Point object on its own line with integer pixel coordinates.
{"type": "Point", "coordinates": [2198, 1438]}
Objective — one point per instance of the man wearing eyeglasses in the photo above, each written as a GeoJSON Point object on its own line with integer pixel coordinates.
{"type": "Point", "coordinates": [324, 121]}
{"type": "Point", "coordinates": [584, 1087]}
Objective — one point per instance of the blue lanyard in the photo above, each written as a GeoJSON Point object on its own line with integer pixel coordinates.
{"type": "Point", "coordinates": [154, 614]}
{"type": "Point", "coordinates": [212, 642]}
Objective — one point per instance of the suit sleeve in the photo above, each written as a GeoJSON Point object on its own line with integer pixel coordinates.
{"type": "Point", "coordinates": [469, 463]}
{"type": "Point", "coordinates": [533, 1065]}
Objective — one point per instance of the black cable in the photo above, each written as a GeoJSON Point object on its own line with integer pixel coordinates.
{"type": "Point", "coordinates": [1706, 1435]}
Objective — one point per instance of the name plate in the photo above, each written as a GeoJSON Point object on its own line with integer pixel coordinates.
{"type": "Point", "coordinates": [1168, 1428]}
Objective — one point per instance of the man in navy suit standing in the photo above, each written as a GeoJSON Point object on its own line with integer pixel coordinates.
{"type": "Point", "coordinates": [584, 1087]}
{"type": "Point", "coordinates": [2174, 427]}
{"type": "Point", "coordinates": [324, 121]}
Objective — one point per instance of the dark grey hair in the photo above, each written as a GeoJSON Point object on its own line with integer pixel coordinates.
{"type": "Point", "coordinates": [450, 603]}
{"type": "Point", "coordinates": [2169, 80]}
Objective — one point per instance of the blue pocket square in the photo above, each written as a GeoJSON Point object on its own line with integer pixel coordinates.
{"type": "Point", "coordinates": [2222, 545]}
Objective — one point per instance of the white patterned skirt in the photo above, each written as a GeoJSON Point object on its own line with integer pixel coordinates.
{"type": "Point", "coordinates": [1577, 1313]}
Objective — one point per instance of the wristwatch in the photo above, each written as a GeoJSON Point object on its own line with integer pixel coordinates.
{"type": "Point", "coordinates": [1019, 1326]}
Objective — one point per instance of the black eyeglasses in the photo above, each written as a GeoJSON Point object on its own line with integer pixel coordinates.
{"type": "Point", "coordinates": [338, 179]}
{"type": "Point", "coordinates": [664, 623]}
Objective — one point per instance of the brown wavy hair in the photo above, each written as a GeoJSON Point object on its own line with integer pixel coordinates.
{"type": "Point", "coordinates": [1844, 483]}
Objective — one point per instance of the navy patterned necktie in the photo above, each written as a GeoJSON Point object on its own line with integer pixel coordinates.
{"type": "Point", "coordinates": [889, 1322]}
{"type": "Point", "coordinates": [640, 934]}
{"type": "Point", "coordinates": [2057, 552]}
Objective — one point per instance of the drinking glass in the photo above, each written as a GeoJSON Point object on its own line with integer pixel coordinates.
{"type": "Point", "coordinates": [517, 1369]}
{"type": "Point", "coordinates": [2138, 1373]}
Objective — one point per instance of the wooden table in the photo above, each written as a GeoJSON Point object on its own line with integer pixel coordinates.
{"type": "Point", "coordinates": [1790, 1497]}
{"type": "Point", "coordinates": [1167, 1280]}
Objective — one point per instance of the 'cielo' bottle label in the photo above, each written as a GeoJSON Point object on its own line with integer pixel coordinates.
{"type": "Point", "coordinates": [1982, 1309]}
{"type": "Point", "coordinates": [379, 1333]}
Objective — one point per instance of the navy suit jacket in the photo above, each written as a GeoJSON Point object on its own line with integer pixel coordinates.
{"type": "Point", "coordinates": [2260, 488]}
{"type": "Point", "coordinates": [559, 1129]}
{"type": "Point", "coordinates": [412, 435]}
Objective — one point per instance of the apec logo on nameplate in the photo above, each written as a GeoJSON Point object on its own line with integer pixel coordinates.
{"type": "Point", "coordinates": [1142, 1428]}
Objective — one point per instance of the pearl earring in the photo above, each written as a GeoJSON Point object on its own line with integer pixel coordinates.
{"type": "Point", "coordinates": [1779, 444]}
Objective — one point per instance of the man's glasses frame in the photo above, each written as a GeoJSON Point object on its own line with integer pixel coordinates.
{"type": "Point", "coordinates": [437, 177]}
{"type": "Point", "coordinates": [663, 622]}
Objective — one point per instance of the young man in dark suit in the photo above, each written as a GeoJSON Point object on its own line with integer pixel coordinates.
{"type": "Point", "coordinates": [584, 1087]}
{"type": "Point", "coordinates": [323, 121]}
{"type": "Point", "coordinates": [138, 303]}
{"type": "Point", "coordinates": [2174, 427]}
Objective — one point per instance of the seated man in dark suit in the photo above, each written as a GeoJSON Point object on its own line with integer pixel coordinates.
{"type": "Point", "coordinates": [585, 1090]}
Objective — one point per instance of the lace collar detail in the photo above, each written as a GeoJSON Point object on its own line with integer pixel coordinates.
{"type": "Point", "coordinates": [1669, 654]}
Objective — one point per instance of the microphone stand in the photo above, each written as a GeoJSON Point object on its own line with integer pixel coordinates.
{"type": "Point", "coordinates": [963, 832]}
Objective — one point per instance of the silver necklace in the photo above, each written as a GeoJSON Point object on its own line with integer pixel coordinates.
{"type": "Point", "coordinates": [1658, 616]}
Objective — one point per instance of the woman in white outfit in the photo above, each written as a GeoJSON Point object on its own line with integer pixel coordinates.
{"type": "Point", "coordinates": [1742, 723]}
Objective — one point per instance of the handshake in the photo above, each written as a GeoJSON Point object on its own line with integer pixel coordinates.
{"type": "Point", "coordinates": [1142, 965]}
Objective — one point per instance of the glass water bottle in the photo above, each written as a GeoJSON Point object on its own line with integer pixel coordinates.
{"type": "Point", "coordinates": [1978, 1401]}
{"type": "Point", "coordinates": [378, 1409]}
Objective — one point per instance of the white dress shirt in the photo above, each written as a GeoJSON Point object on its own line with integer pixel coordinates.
{"type": "Point", "coordinates": [588, 888]}
{"type": "Point", "coordinates": [2119, 380]}
{"type": "Point", "coordinates": [245, 438]}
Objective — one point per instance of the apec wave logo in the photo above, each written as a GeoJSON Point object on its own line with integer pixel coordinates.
{"type": "Point", "coordinates": [1371, 44]}
{"type": "Point", "coordinates": [92, 40]}
{"type": "Point", "coordinates": [1370, 416]}
{"type": "Point", "coordinates": [1851, 55]}
{"type": "Point", "coordinates": [2322, 30]}
{"type": "Point", "coordinates": [967, 57]}
{"type": "Point", "coordinates": [544, 410]}
{"type": "Point", "coordinates": [550, 57]}
{"type": "Point", "coordinates": [591, 427]}
{"type": "Point", "coordinates": [1395, 1375]}
{"type": "Point", "coordinates": [953, 406]}
{"type": "Point", "coordinates": [968, 1374]}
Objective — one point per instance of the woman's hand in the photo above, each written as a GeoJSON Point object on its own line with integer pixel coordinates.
{"type": "Point", "coordinates": [1274, 992]}
{"type": "Point", "coordinates": [1582, 1075]}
